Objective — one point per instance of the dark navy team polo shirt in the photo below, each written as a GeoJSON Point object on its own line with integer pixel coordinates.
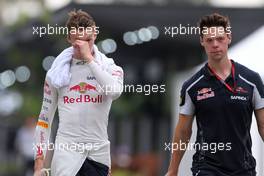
{"type": "Point", "coordinates": [223, 142]}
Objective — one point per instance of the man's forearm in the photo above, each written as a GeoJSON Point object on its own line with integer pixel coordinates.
{"type": "Point", "coordinates": [39, 162]}
{"type": "Point", "coordinates": [177, 153]}
{"type": "Point", "coordinates": [111, 83]}
{"type": "Point", "coordinates": [260, 121]}
{"type": "Point", "coordinates": [261, 132]}
{"type": "Point", "coordinates": [176, 158]}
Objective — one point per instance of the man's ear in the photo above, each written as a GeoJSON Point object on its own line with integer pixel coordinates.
{"type": "Point", "coordinates": [94, 32]}
{"type": "Point", "coordinates": [95, 35]}
{"type": "Point", "coordinates": [229, 36]}
{"type": "Point", "coordinates": [201, 41]}
{"type": "Point", "coordinates": [68, 38]}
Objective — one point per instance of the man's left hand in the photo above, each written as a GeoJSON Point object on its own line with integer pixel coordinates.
{"type": "Point", "coordinates": [84, 49]}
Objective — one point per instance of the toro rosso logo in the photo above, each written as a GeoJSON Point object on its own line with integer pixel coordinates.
{"type": "Point", "coordinates": [83, 87]}
{"type": "Point", "coordinates": [205, 93]}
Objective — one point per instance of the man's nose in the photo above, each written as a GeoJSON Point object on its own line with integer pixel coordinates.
{"type": "Point", "coordinates": [215, 43]}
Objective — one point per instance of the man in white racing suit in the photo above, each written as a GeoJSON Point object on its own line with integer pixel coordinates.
{"type": "Point", "coordinates": [81, 145]}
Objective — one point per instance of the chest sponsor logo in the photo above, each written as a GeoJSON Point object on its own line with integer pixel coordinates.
{"type": "Point", "coordinates": [83, 87]}
{"type": "Point", "coordinates": [83, 99]}
{"type": "Point", "coordinates": [205, 93]}
{"type": "Point", "coordinates": [90, 78]}
{"type": "Point", "coordinates": [236, 97]}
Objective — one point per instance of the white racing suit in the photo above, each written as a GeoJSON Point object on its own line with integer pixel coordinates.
{"type": "Point", "coordinates": [83, 109]}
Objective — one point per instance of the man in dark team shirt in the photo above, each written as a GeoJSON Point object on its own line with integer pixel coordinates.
{"type": "Point", "coordinates": [222, 96]}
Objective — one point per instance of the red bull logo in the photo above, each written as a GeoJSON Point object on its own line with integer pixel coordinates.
{"type": "Point", "coordinates": [205, 93]}
{"type": "Point", "coordinates": [83, 87]}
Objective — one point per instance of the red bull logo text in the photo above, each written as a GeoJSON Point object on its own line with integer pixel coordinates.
{"type": "Point", "coordinates": [83, 99]}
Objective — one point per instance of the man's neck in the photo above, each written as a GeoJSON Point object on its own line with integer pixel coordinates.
{"type": "Point", "coordinates": [221, 67]}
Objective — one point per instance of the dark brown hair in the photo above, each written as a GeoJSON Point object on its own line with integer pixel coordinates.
{"type": "Point", "coordinates": [213, 20]}
{"type": "Point", "coordinates": [78, 19]}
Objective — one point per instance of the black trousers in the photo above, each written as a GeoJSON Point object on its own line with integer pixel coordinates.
{"type": "Point", "coordinates": [216, 173]}
{"type": "Point", "coordinates": [93, 168]}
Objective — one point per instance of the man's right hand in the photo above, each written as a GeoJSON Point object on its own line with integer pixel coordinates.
{"type": "Point", "coordinates": [182, 134]}
{"type": "Point", "coordinates": [172, 173]}
{"type": "Point", "coordinates": [39, 163]}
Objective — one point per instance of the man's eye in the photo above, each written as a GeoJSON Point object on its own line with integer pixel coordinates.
{"type": "Point", "coordinates": [209, 40]}
{"type": "Point", "coordinates": [220, 38]}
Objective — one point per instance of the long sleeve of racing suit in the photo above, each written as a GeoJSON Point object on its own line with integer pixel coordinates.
{"type": "Point", "coordinates": [110, 78]}
{"type": "Point", "coordinates": [43, 128]}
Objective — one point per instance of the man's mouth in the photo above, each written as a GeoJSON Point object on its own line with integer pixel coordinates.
{"type": "Point", "coordinates": [216, 52]}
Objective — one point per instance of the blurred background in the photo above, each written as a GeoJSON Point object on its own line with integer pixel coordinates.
{"type": "Point", "coordinates": [133, 32]}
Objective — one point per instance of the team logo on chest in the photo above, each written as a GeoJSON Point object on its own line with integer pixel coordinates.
{"type": "Point", "coordinates": [83, 87]}
{"type": "Point", "coordinates": [205, 93]}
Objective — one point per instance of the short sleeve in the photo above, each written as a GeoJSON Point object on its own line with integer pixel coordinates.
{"type": "Point", "coordinates": [186, 105]}
{"type": "Point", "coordinates": [258, 93]}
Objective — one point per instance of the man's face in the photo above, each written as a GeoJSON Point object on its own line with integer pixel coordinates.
{"type": "Point", "coordinates": [81, 34]}
{"type": "Point", "coordinates": [215, 42]}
